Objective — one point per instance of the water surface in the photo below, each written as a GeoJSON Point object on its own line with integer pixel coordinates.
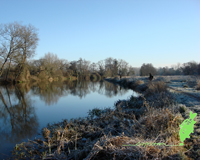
{"type": "Point", "coordinates": [26, 108]}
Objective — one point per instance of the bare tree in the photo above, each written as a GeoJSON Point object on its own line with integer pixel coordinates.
{"type": "Point", "coordinates": [109, 63]}
{"type": "Point", "coordinates": [115, 67]}
{"type": "Point", "coordinates": [29, 40]}
{"type": "Point", "coordinates": [93, 67]}
{"type": "Point", "coordinates": [80, 66]}
{"type": "Point", "coordinates": [83, 67]}
{"type": "Point", "coordinates": [101, 65]}
{"type": "Point", "coordinates": [190, 68]}
{"type": "Point", "coordinates": [17, 43]}
{"type": "Point", "coordinates": [10, 42]}
{"type": "Point", "coordinates": [86, 65]}
{"type": "Point", "coordinates": [73, 68]}
{"type": "Point", "coordinates": [51, 62]}
{"type": "Point", "coordinates": [131, 71]}
{"type": "Point", "coordinates": [123, 67]}
{"type": "Point", "coordinates": [35, 65]}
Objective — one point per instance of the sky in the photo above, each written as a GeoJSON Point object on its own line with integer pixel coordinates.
{"type": "Point", "coordinates": [161, 32]}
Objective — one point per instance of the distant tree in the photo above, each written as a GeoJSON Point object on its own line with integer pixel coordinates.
{"type": "Point", "coordinates": [112, 67]}
{"type": "Point", "coordinates": [146, 69]}
{"type": "Point", "coordinates": [160, 71]}
{"type": "Point", "coordinates": [101, 66]}
{"type": "Point", "coordinates": [73, 68]}
{"type": "Point", "coordinates": [93, 67]}
{"type": "Point", "coordinates": [178, 69]}
{"type": "Point", "coordinates": [51, 62]}
{"type": "Point", "coordinates": [198, 69]}
{"type": "Point", "coordinates": [108, 67]}
{"type": "Point", "coordinates": [136, 70]}
{"type": "Point", "coordinates": [123, 67]}
{"type": "Point", "coordinates": [190, 68]}
{"type": "Point", "coordinates": [131, 71]}
{"type": "Point", "coordinates": [109, 63]}
{"type": "Point", "coordinates": [63, 65]}
{"type": "Point", "coordinates": [83, 67]}
{"type": "Point", "coordinates": [174, 70]}
{"type": "Point", "coordinates": [86, 65]}
{"type": "Point", "coordinates": [115, 67]}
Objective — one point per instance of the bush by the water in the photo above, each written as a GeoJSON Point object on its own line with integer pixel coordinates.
{"type": "Point", "coordinates": [156, 87]}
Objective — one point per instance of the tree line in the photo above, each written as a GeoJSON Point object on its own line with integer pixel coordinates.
{"type": "Point", "coordinates": [80, 68]}
{"type": "Point", "coordinates": [189, 68]}
{"type": "Point", "coordinates": [18, 44]}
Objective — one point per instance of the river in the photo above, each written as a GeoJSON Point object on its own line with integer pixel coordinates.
{"type": "Point", "coordinates": [26, 108]}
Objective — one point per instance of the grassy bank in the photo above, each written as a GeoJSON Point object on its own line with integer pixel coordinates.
{"type": "Point", "coordinates": [153, 117]}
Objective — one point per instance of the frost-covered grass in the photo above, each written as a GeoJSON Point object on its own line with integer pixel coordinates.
{"type": "Point", "coordinates": [103, 137]}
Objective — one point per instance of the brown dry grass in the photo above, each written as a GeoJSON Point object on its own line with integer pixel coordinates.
{"type": "Point", "coordinates": [156, 87]}
{"type": "Point", "coordinates": [111, 148]}
{"type": "Point", "coordinates": [137, 83]}
{"type": "Point", "coordinates": [158, 95]}
{"type": "Point", "coordinates": [106, 136]}
{"type": "Point", "coordinates": [157, 126]}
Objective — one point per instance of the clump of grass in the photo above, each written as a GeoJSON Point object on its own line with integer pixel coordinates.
{"type": "Point", "coordinates": [136, 83]}
{"type": "Point", "coordinates": [185, 86]}
{"type": "Point", "coordinates": [159, 125]}
{"type": "Point", "coordinates": [157, 94]}
{"type": "Point", "coordinates": [156, 87]}
{"type": "Point", "coordinates": [182, 109]}
{"type": "Point", "coordinates": [95, 112]}
{"type": "Point", "coordinates": [46, 132]}
{"type": "Point", "coordinates": [163, 121]}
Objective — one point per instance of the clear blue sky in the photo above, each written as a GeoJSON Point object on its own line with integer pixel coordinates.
{"type": "Point", "coordinates": [161, 32]}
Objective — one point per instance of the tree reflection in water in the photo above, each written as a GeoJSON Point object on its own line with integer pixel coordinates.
{"type": "Point", "coordinates": [51, 92]}
{"type": "Point", "coordinates": [17, 115]}
{"type": "Point", "coordinates": [18, 120]}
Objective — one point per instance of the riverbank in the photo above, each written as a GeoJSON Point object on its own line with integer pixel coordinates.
{"type": "Point", "coordinates": [152, 117]}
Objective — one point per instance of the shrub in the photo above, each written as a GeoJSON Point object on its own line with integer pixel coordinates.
{"type": "Point", "coordinates": [182, 109]}
{"type": "Point", "coordinates": [42, 75]}
{"type": "Point", "coordinates": [94, 112]}
{"type": "Point", "coordinates": [160, 121]}
{"type": "Point", "coordinates": [156, 87]}
{"type": "Point", "coordinates": [136, 83]}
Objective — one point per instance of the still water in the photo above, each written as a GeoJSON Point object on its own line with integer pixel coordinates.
{"type": "Point", "coordinates": [26, 108]}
